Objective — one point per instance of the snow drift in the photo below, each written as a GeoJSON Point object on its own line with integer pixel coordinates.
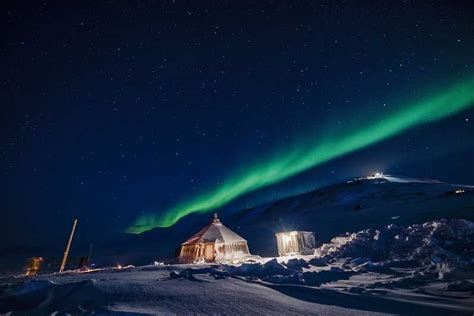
{"type": "Point", "coordinates": [445, 247]}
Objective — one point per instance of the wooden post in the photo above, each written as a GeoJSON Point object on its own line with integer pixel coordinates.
{"type": "Point", "coordinates": [66, 252]}
{"type": "Point", "coordinates": [90, 253]}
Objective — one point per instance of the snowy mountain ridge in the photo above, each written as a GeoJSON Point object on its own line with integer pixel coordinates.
{"type": "Point", "coordinates": [405, 179]}
{"type": "Point", "coordinates": [396, 178]}
{"type": "Point", "coordinates": [366, 203]}
{"type": "Point", "coordinates": [355, 205]}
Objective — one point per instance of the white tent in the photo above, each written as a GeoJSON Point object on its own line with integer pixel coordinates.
{"type": "Point", "coordinates": [213, 243]}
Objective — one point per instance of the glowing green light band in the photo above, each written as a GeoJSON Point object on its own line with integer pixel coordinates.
{"type": "Point", "coordinates": [304, 157]}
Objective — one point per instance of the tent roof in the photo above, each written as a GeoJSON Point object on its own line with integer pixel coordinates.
{"type": "Point", "coordinates": [214, 232]}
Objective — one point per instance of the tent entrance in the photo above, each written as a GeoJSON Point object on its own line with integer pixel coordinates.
{"type": "Point", "coordinates": [209, 252]}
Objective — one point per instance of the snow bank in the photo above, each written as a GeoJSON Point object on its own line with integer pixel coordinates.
{"type": "Point", "coordinates": [436, 250]}
{"type": "Point", "coordinates": [443, 247]}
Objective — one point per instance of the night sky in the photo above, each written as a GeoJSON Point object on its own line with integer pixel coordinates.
{"type": "Point", "coordinates": [114, 111]}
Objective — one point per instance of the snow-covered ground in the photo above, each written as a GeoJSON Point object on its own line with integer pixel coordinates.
{"type": "Point", "coordinates": [418, 269]}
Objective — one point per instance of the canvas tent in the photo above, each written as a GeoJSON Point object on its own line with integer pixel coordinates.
{"type": "Point", "coordinates": [213, 243]}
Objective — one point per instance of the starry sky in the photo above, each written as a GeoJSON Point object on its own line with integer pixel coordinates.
{"type": "Point", "coordinates": [117, 111]}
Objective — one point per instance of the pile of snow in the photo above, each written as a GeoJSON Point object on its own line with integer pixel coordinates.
{"type": "Point", "coordinates": [444, 247]}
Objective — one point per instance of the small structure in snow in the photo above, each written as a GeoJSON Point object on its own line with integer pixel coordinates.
{"type": "Point", "coordinates": [34, 265]}
{"type": "Point", "coordinates": [213, 243]}
{"type": "Point", "coordinates": [295, 243]}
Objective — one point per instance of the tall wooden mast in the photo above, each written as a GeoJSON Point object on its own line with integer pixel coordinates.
{"type": "Point", "coordinates": [66, 252]}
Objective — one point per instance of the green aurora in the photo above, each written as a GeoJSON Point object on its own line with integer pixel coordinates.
{"type": "Point", "coordinates": [306, 156]}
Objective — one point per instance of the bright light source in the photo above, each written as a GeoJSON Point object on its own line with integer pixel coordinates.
{"type": "Point", "coordinates": [459, 191]}
{"type": "Point", "coordinates": [376, 175]}
{"type": "Point", "coordinates": [286, 238]}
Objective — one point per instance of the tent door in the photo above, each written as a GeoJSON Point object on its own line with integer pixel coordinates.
{"type": "Point", "coordinates": [209, 252]}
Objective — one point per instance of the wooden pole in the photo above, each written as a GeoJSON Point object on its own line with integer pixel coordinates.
{"type": "Point", "coordinates": [90, 252]}
{"type": "Point", "coordinates": [66, 252]}
{"type": "Point", "coordinates": [89, 261]}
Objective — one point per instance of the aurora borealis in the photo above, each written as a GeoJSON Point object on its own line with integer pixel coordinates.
{"type": "Point", "coordinates": [309, 155]}
{"type": "Point", "coordinates": [134, 115]}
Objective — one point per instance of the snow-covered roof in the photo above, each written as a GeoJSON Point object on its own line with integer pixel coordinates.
{"type": "Point", "coordinates": [214, 232]}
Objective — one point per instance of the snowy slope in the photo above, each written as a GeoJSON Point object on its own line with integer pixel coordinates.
{"type": "Point", "coordinates": [154, 292]}
{"type": "Point", "coordinates": [359, 204]}
{"type": "Point", "coordinates": [399, 257]}
{"type": "Point", "coordinates": [355, 205]}
{"type": "Point", "coordinates": [423, 269]}
{"type": "Point", "coordinates": [351, 206]}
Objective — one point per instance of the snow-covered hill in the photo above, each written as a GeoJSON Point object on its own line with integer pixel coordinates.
{"type": "Point", "coordinates": [358, 204]}
{"type": "Point", "coordinates": [355, 205]}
